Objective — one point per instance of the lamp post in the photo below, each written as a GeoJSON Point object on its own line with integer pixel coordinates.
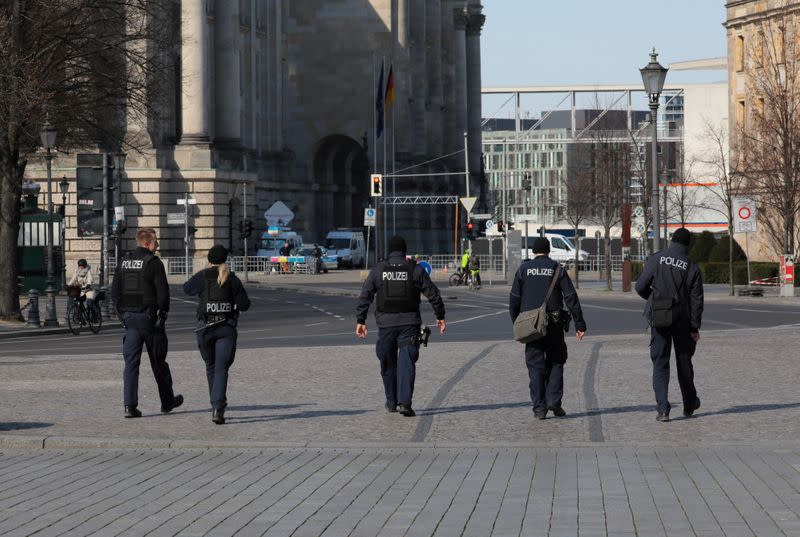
{"type": "Point", "coordinates": [63, 186]}
{"type": "Point", "coordinates": [48, 136]}
{"type": "Point", "coordinates": [653, 76]}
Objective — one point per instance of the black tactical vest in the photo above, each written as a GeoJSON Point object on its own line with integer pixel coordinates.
{"type": "Point", "coordinates": [398, 292]}
{"type": "Point", "coordinates": [133, 285]}
{"type": "Point", "coordinates": [216, 303]}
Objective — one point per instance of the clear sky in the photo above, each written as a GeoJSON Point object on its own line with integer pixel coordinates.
{"type": "Point", "coordinates": [542, 42]}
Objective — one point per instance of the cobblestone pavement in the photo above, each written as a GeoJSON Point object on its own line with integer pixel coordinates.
{"type": "Point", "coordinates": [309, 450]}
{"type": "Point", "coordinates": [619, 491]}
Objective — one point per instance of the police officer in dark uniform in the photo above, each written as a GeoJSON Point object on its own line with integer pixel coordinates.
{"type": "Point", "coordinates": [673, 287]}
{"type": "Point", "coordinates": [141, 293]}
{"type": "Point", "coordinates": [316, 253]}
{"type": "Point", "coordinates": [545, 357]}
{"type": "Point", "coordinates": [222, 297]}
{"type": "Point", "coordinates": [398, 282]}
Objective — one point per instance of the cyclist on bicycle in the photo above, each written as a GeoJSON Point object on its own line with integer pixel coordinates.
{"type": "Point", "coordinates": [475, 270]}
{"type": "Point", "coordinates": [465, 265]}
{"type": "Point", "coordinates": [83, 278]}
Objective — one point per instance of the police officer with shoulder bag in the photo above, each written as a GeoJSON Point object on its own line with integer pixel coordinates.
{"type": "Point", "coordinates": [141, 293]}
{"type": "Point", "coordinates": [673, 287]}
{"type": "Point", "coordinates": [222, 297]}
{"type": "Point", "coordinates": [398, 282]}
{"type": "Point", "coordinates": [541, 288]}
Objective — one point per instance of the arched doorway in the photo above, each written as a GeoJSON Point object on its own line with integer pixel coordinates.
{"type": "Point", "coordinates": [341, 169]}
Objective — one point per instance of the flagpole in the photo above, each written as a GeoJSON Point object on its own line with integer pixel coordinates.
{"type": "Point", "coordinates": [394, 170]}
{"type": "Point", "coordinates": [375, 147]}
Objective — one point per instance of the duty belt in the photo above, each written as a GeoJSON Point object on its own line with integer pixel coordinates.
{"type": "Point", "coordinates": [215, 319]}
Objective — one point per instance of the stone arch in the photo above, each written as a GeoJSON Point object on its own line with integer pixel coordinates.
{"type": "Point", "coordinates": [341, 170]}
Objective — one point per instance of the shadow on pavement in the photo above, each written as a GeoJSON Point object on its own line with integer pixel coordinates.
{"type": "Point", "coordinates": [243, 408]}
{"type": "Point", "coordinates": [19, 426]}
{"type": "Point", "coordinates": [234, 420]}
{"type": "Point", "coordinates": [743, 409]}
{"type": "Point", "coordinates": [470, 408]}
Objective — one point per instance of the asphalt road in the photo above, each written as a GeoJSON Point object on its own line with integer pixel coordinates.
{"type": "Point", "coordinates": [288, 318]}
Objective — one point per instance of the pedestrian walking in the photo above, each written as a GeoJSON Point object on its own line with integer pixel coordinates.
{"type": "Point", "coordinates": [141, 293]}
{"type": "Point", "coordinates": [397, 283]}
{"type": "Point", "coordinates": [542, 286]}
{"type": "Point", "coordinates": [673, 287]}
{"type": "Point", "coordinates": [222, 298]}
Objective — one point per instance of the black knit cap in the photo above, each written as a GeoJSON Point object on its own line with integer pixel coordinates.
{"type": "Point", "coordinates": [682, 236]}
{"type": "Point", "coordinates": [397, 244]}
{"type": "Point", "coordinates": [218, 254]}
{"type": "Point", "coordinates": [541, 245]}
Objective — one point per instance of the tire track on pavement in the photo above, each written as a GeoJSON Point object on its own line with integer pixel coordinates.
{"type": "Point", "coordinates": [593, 417]}
{"type": "Point", "coordinates": [426, 420]}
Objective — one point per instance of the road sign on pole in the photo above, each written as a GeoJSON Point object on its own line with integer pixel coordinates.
{"type": "Point", "coordinates": [744, 215]}
{"type": "Point", "coordinates": [369, 217]}
{"type": "Point", "coordinates": [468, 203]}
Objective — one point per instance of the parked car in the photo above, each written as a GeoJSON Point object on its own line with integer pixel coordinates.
{"type": "Point", "coordinates": [329, 262]}
{"type": "Point", "coordinates": [561, 249]}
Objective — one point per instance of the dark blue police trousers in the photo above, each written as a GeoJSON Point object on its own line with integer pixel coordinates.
{"type": "Point", "coordinates": [661, 340]}
{"type": "Point", "coordinates": [218, 348]}
{"type": "Point", "coordinates": [545, 360]}
{"type": "Point", "coordinates": [398, 358]}
{"type": "Point", "coordinates": [140, 331]}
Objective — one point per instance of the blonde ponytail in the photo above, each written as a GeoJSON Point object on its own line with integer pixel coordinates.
{"type": "Point", "coordinates": [224, 272]}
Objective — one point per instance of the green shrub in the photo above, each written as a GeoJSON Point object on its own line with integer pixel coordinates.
{"type": "Point", "coordinates": [718, 272]}
{"type": "Point", "coordinates": [636, 268]}
{"type": "Point", "coordinates": [719, 254]}
{"type": "Point", "coordinates": [701, 246]}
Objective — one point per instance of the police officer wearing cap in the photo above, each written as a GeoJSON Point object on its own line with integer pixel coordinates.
{"type": "Point", "coordinates": [222, 297]}
{"type": "Point", "coordinates": [546, 357]}
{"type": "Point", "coordinates": [673, 287]}
{"type": "Point", "coordinates": [398, 282]}
{"type": "Point", "coordinates": [141, 293]}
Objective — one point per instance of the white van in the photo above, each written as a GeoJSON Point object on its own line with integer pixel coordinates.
{"type": "Point", "coordinates": [561, 249]}
{"type": "Point", "coordinates": [271, 244]}
{"type": "Point", "coordinates": [348, 246]}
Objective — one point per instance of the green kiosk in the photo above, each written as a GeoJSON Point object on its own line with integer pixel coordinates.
{"type": "Point", "coordinates": [32, 243]}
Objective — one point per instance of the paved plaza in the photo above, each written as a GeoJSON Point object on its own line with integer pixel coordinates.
{"type": "Point", "coordinates": [309, 450]}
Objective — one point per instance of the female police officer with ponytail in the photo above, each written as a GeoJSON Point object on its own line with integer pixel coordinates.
{"type": "Point", "coordinates": [222, 297]}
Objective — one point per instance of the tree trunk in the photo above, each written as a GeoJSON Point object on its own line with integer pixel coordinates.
{"type": "Point", "coordinates": [10, 189]}
{"type": "Point", "coordinates": [577, 258]}
{"type": "Point", "coordinates": [607, 247]}
{"type": "Point", "coordinates": [730, 258]}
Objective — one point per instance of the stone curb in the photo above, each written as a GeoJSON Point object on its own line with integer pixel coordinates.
{"type": "Point", "coordinates": [30, 332]}
{"type": "Point", "coordinates": [26, 442]}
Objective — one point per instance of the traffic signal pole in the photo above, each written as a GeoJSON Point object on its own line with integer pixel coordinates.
{"type": "Point", "coordinates": [244, 223]}
{"type": "Point", "coordinates": [186, 234]}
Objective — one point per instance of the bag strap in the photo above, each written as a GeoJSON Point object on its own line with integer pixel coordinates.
{"type": "Point", "coordinates": [556, 274]}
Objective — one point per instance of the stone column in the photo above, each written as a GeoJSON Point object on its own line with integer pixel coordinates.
{"type": "Point", "coordinates": [402, 77]}
{"type": "Point", "coordinates": [460, 60]}
{"type": "Point", "coordinates": [228, 76]}
{"type": "Point", "coordinates": [418, 74]}
{"type": "Point", "coordinates": [433, 45]}
{"type": "Point", "coordinates": [195, 83]}
{"type": "Point", "coordinates": [474, 23]}
{"type": "Point", "coordinates": [449, 128]}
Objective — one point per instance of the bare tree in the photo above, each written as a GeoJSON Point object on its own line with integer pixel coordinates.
{"type": "Point", "coordinates": [717, 161]}
{"type": "Point", "coordinates": [97, 69]}
{"type": "Point", "coordinates": [768, 140]}
{"type": "Point", "coordinates": [681, 199]}
{"type": "Point", "coordinates": [577, 208]}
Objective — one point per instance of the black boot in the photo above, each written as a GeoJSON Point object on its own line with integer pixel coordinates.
{"type": "Point", "coordinates": [132, 412]}
{"type": "Point", "coordinates": [406, 411]}
{"type": "Point", "coordinates": [218, 416]}
{"type": "Point", "coordinates": [176, 402]}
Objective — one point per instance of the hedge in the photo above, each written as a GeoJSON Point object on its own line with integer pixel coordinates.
{"type": "Point", "coordinates": [718, 272]}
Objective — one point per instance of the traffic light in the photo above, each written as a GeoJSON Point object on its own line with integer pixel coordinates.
{"type": "Point", "coordinates": [470, 229]}
{"type": "Point", "coordinates": [501, 226]}
{"type": "Point", "coordinates": [377, 186]}
{"type": "Point", "coordinates": [121, 227]}
{"type": "Point", "coordinates": [247, 229]}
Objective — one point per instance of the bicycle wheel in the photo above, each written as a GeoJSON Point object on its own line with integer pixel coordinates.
{"type": "Point", "coordinates": [454, 280]}
{"type": "Point", "coordinates": [95, 318]}
{"type": "Point", "coordinates": [74, 319]}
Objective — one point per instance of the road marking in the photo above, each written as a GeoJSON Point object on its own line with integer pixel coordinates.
{"type": "Point", "coordinates": [476, 317]}
{"type": "Point", "coordinates": [637, 310]}
{"type": "Point", "coordinates": [767, 311]}
{"type": "Point", "coordinates": [723, 323]}
{"type": "Point", "coordinates": [184, 300]}
{"type": "Point", "coordinates": [317, 324]}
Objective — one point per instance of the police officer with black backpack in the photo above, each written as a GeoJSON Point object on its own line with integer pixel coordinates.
{"type": "Point", "coordinates": [673, 287]}
{"type": "Point", "coordinates": [538, 279]}
{"type": "Point", "coordinates": [398, 282]}
{"type": "Point", "coordinates": [141, 293]}
{"type": "Point", "coordinates": [222, 297]}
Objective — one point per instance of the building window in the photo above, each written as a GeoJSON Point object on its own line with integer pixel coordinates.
{"type": "Point", "coordinates": [740, 113]}
{"type": "Point", "coordinates": [739, 54]}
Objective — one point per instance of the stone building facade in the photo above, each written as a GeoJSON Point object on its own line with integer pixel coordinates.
{"type": "Point", "coordinates": [278, 97]}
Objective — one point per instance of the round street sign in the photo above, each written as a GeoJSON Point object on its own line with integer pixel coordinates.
{"type": "Point", "coordinates": [370, 213]}
{"type": "Point", "coordinates": [426, 266]}
{"type": "Point", "coordinates": [744, 213]}
{"type": "Point", "coordinates": [638, 212]}
{"type": "Point", "coordinates": [489, 224]}
{"type": "Point", "coordinates": [640, 228]}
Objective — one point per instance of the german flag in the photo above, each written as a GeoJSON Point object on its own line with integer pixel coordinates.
{"type": "Point", "coordinates": [390, 87]}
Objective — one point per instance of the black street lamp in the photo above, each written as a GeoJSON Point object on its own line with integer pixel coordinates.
{"type": "Point", "coordinates": [63, 186]}
{"type": "Point", "coordinates": [48, 136]}
{"type": "Point", "coordinates": [119, 224]}
{"type": "Point", "coordinates": [653, 77]}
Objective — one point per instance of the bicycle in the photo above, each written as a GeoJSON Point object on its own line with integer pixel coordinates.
{"type": "Point", "coordinates": [458, 278]}
{"type": "Point", "coordinates": [473, 281]}
{"type": "Point", "coordinates": [78, 315]}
